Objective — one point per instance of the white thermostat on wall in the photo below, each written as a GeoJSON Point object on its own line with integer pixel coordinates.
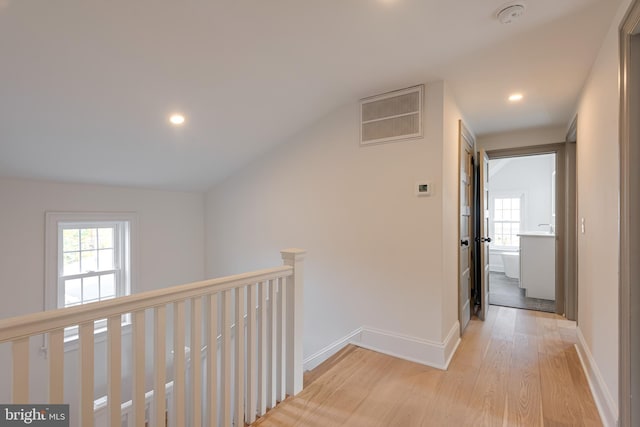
{"type": "Point", "coordinates": [423, 189]}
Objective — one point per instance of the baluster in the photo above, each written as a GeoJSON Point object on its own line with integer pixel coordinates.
{"type": "Point", "coordinates": [86, 374]}
{"type": "Point", "coordinates": [262, 349]}
{"type": "Point", "coordinates": [138, 369]}
{"type": "Point", "coordinates": [252, 356]}
{"type": "Point", "coordinates": [114, 367]}
{"type": "Point", "coordinates": [21, 371]}
{"type": "Point", "coordinates": [56, 366]}
{"type": "Point", "coordinates": [160, 365]}
{"type": "Point", "coordinates": [226, 358]}
{"type": "Point", "coordinates": [282, 341]}
{"type": "Point", "coordinates": [240, 356]}
{"type": "Point", "coordinates": [277, 328]}
{"type": "Point", "coordinates": [178, 363]}
{"type": "Point", "coordinates": [273, 368]}
{"type": "Point", "coordinates": [212, 360]}
{"type": "Point", "coordinates": [196, 362]}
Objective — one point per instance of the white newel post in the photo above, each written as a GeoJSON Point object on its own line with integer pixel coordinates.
{"type": "Point", "coordinates": [295, 318]}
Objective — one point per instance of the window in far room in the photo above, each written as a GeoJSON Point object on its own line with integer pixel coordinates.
{"type": "Point", "coordinates": [506, 221]}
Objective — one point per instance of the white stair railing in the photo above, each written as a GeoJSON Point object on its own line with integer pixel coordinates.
{"type": "Point", "coordinates": [252, 329]}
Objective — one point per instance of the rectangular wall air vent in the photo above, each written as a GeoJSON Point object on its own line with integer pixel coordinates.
{"type": "Point", "coordinates": [392, 116]}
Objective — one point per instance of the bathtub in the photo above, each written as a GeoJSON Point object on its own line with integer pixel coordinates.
{"type": "Point", "coordinates": [505, 261]}
{"type": "Point", "coordinates": [511, 262]}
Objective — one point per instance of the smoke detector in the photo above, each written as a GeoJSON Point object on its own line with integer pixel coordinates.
{"type": "Point", "coordinates": [511, 13]}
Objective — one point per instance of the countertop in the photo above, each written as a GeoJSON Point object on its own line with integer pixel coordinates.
{"type": "Point", "coordinates": [536, 234]}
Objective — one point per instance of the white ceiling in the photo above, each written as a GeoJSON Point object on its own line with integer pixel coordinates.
{"type": "Point", "coordinates": [86, 86]}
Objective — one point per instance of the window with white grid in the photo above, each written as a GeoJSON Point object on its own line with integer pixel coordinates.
{"type": "Point", "coordinates": [88, 260]}
{"type": "Point", "coordinates": [91, 262]}
{"type": "Point", "coordinates": [506, 221]}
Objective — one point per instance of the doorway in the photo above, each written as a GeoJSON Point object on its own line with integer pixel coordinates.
{"type": "Point", "coordinates": [475, 281]}
{"type": "Point", "coordinates": [546, 231]}
{"type": "Point", "coordinates": [522, 224]}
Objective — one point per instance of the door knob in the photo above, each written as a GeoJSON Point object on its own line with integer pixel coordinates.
{"type": "Point", "coordinates": [483, 239]}
{"type": "Point", "coordinates": [464, 242]}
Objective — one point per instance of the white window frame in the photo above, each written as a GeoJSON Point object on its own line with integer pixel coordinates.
{"type": "Point", "coordinates": [505, 195]}
{"type": "Point", "coordinates": [121, 257]}
{"type": "Point", "coordinates": [54, 223]}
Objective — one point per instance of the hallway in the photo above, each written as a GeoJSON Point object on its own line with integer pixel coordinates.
{"type": "Point", "coordinates": [519, 368]}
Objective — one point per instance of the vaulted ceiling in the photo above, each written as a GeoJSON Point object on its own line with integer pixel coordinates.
{"type": "Point", "coordinates": [86, 86]}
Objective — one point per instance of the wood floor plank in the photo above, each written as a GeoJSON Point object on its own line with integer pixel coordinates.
{"type": "Point", "coordinates": [505, 324]}
{"type": "Point", "coordinates": [551, 342]}
{"type": "Point", "coordinates": [524, 402]}
{"type": "Point", "coordinates": [311, 376]}
{"type": "Point", "coordinates": [312, 398]}
{"type": "Point", "coordinates": [489, 394]}
{"type": "Point", "coordinates": [404, 405]}
{"type": "Point", "coordinates": [518, 368]}
{"type": "Point", "coordinates": [453, 393]}
{"type": "Point", "coordinates": [526, 322]}
{"type": "Point", "coordinates": [413, 409]}
{"type": "Point", "coordinates": [558, 400]}
{"type": "Point", "coordinates": [581, 389]}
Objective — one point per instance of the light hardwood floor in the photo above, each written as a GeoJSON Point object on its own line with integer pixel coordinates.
{"type": "Point", "coordinates": [519, 368]}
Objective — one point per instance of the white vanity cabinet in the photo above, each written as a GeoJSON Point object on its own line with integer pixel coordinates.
{"type": "Point", "coordinates": [538, 265]}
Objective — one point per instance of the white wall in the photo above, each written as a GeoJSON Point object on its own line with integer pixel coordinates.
{"type": "Point", "coordinates": [532, 176]}
{"type": "Point", "coordinates": [375, 250]}
{"type": "Point", "coordinates": [170, 234]}
{"type": "Point", "coordinates": [522, 138]}
{"type": "Point", "coordinates": [170, 246]}
{"type": "Point", "coordinates": [598, 184]}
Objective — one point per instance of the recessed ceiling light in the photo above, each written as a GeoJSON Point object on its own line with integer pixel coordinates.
{"type": "Point", "coordinates": [176, 119]}
{"type": "Point", "coordinates": [516, 97]}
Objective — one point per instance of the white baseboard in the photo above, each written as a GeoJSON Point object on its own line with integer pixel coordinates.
{"type": "Point", "coordinates": [451, 343]}
{"type": "Point", "coordinates": [430, 353]}
{"type": "Point", "coordinates": [607, 407]}
{"type": "Point", "coordinates": [320, 356]}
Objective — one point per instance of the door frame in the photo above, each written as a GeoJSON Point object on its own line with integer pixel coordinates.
{"type": "Point", "coordinates": [571, 221]}
{"type": "Point", "coordinates": [629, 277]}
{"type": "Point", "coordinates": [560, 230]}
